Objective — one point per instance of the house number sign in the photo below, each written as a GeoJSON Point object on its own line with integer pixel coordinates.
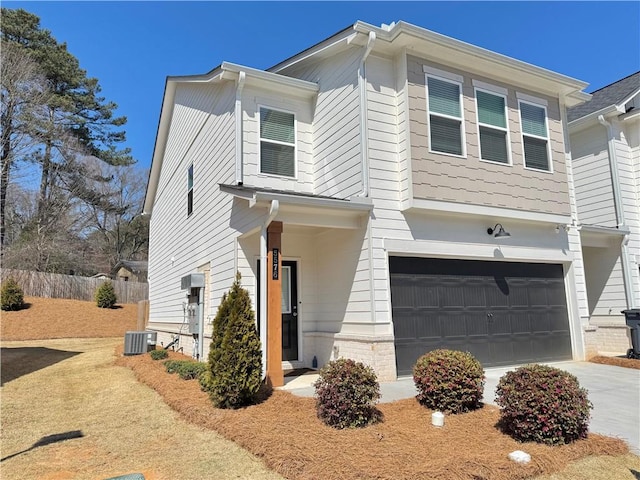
{"type": "Point", "coordinates": [275, 263]}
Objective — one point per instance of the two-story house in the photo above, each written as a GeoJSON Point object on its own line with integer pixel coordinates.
{"type": "Point", "coordinates": [383, 193]}
{"type": "Point", "coordinates": [605, 145]}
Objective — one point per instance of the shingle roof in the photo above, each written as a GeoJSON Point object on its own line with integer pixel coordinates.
{"type": "Point", "coordinates": [136, 266]}
{"type": "Point", "coordinates": [612, 94]}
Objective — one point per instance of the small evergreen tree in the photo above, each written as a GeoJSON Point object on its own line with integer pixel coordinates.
{"type": "Point", "coordinates": [234, 378]}
{"type": "Point", "coordinates": [106, 295]}
{"type": "Point", "coordinates": [12, 296]}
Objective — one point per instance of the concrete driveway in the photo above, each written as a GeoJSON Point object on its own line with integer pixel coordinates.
{"type": "Point", "coordinates": [614, 392]}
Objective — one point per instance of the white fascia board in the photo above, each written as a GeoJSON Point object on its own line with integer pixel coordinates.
{"type": "Point", "coordinates": [568, 86]}
{"type": "Point", "coordinates": [265, 197]}
{"type": "Point", "coordinates": [592, 118]}
{"type": "Point", "coordinates": [303, 87]}
{"type": "Point", "coordinates": [419, 204]}
{"type": "Point", "coordinates": [162, 134]}
{"type": "Point", "coordinates": [599, 230]}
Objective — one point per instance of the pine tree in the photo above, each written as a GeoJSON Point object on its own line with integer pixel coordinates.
{"type": "Point", "coordinates": [234, 376]}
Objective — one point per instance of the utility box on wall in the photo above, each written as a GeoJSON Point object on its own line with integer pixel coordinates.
{"type": "Point", "coordinates": [194, 284]}
{"type": "Point", "coordinates": [194, 280]}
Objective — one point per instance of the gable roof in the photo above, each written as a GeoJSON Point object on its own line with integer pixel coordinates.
{"type": "Point", "coordinates": [615, 94]}
{"type": "Point", "coordinates": [135, 266]}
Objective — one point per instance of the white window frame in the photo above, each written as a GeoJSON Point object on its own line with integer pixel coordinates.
{"type": "Point", "coordinates": [191, 169]}
{"type": "Point", "coordinates": [449, 78]}
{"type": "Point", "coordinates": [539, 103]}
{"type": "Point", "coordinates": [498, 92]}
{"type": "Point", "coordinates": [276, 142]}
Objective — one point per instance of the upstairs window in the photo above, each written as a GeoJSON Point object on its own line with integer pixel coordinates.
{"type": "Point", "coordinates": [535, 136]}
{"type": "Point", "coordinates": [492, 127]}
{"type": "Point", "coordinates": [190, 190]}
{"type": "Point", "coordinates": [277, 143]}
{"type": "Point", "coordinates": [446, 122]}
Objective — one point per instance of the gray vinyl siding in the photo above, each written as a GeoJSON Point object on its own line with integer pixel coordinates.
{"type": "Point", "coordinates": [472, 181]}
{"type": "Point", "coordinates": [336, 124]}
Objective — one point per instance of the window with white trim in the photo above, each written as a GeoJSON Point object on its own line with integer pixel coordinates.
{"type": "Point", "coordinates": [535, 136]}
{"type": "Point", "coordinates": [491, 110]}
{"type": "Point", "coordinates": [277, 143]}
{"type": "Point", "coordinates": [190, 190]}
{"type": "Point", "coordinates": [446, 121]}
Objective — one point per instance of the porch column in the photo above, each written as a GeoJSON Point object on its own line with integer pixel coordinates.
{"type": "Point", "coordinates": [274, 305]}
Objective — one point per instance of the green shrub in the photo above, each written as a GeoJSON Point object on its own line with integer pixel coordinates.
{"type": "Point", "coordinates": [105, 295]}
{"type": "Point", "coordinates": [12, 296]}
{"type": "Point", "coordinates": [543, 404]}
{"type": "Point", "coordinates": [159, 354]}
{"type": "Point", "coordinates": [346, 394]}
{"type": "Point", "coordinates": [449, 381]}
{"type": "Point", "coordinates": [234, 374]}
{"type": "Point", "coordinates": [186, 369]}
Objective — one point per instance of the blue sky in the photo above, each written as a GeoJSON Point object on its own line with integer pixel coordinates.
{"type": "Point", "coordinates": [132, 46]}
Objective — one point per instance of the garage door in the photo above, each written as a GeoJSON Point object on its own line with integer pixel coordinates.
{"type": "Point", "coordinates": [503, 313]}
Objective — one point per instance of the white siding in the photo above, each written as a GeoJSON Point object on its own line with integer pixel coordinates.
{"type": "Point", "coordinates": [592, 176]}
{"type": "Point", "coordinates": [605, 288]}
{"type": "Point", "coordinates": [252, 99]}
{"type": "Point", "coordinates": [336, 124]}
{"type": "Point", "coordinates": [202, 133]}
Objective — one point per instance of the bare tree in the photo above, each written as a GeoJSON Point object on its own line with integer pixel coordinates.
{"type": "Point", "coordinates": [24, 96]}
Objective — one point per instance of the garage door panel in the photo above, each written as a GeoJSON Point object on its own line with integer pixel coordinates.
{"type": "Point", "coordinates": [501, 312]}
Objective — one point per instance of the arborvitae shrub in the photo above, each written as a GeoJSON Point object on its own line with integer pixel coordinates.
{"type": "Point", "coordinates": [12, 295]}
{"type": "Point", "coordinates": [234, 375]}
{"type": "Point", "coordinates": [346, 394]}
{"type": "Point", "coordinates": [449, 381]}
{"type": "Point", "coordinates": [543, 404]}
{"type": "Point", "coordinates": [159, 354]}
{"type": "Point", "coordinates": [186, 369]}
{"type": "Point", "coordinates": [106, 295]}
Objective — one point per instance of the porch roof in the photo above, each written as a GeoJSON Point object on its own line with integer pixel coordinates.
{"type": "Point", "coordinates": [303, 208]}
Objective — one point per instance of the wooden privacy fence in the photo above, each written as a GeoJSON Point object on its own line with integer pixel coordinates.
{"type": "Point", "coordinates": [54, 285]}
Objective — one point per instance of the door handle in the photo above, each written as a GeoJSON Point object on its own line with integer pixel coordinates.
{"type": "Point", "coordinates": [295, 314]}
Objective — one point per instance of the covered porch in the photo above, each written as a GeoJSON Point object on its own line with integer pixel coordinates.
{"type": "Point", "coordinates": [305, 261]}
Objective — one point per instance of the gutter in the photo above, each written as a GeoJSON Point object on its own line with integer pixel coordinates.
{"type": "Point", "coordinates": [238, 115]}
{"type": "Point", "coordinates": [273, 211]}
{"type": "Point", "coordinates": [619, 208]}
{"type": "Point", "coordinates": [364, 136]}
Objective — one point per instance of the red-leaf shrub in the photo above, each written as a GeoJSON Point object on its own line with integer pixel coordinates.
{"type": "Point", "coordinates": [346, 393]}
{"type": "Point", "coordinates": [449, 381]}
{"type": "Point", "coordinates": [543, 404]}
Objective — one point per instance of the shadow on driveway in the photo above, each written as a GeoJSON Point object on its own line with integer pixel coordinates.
{"type": "Point", "coordinates": [16, 362]}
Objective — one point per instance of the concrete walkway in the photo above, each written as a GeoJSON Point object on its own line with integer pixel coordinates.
{"type": "Point", "coordinates": [614, 392]}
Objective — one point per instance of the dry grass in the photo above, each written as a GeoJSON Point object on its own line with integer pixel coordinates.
{"type": "Point", "coordinates": [617, 361]}
{"type": "Point", "coordinates": [286, 434]}
{"type": "Point", "coordinates": [48, 318]}
{"type": "Point", "coordinates": [125, 426]}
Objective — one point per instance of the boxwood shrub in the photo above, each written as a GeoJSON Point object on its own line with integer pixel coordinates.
{"type": "Point", "coordinates": [346, 394]}
{"type": "Point", "coordinates": [159, 354]}
{"type": "Point", "coordinates": [449, 381]}
{"type": "Point", "coordinates": [543, 404]}
{"type": "Point", "coordinates": [186, 369]}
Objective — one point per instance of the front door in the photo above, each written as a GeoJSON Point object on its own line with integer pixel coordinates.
{"type": "Point", "coordinates": [289, 311]}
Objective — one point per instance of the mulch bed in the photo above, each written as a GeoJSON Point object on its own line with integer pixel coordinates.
{"type": "Point", "coordinates": [286, 434]}
{"type": "Point", "coordinates": [47, 318]}
{"type": "Point", "coordinates": [617, 361]}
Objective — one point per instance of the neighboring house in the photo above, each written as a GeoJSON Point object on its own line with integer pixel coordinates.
{"type": "Point", "coordinates": [131, 270]}
{"type": "Point", "coordinates": [605, 139]}
{"type": "Point", "coordinates": [357, 187]}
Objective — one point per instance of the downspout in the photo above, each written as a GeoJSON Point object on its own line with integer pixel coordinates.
{"type": "Point", "coordinates": [619, 208]}
{"type": "Point", "coordinates": [364, 135]}
{"type": "Point", "coordinates": [238, 115]}
{"type": "Point", "coordinates": [364, 154]}
{"type": "Point", "coordinates": [273, 211]}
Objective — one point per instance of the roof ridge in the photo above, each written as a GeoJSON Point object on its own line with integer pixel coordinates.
{"type": "Point", "coordinates": [617, 81]}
